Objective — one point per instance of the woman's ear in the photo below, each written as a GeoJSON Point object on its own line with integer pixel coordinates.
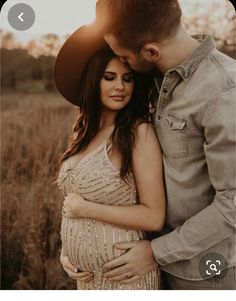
{"type": "Point", "coordinates": [150, 52]}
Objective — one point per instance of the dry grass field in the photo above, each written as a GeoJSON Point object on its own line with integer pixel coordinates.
{"type": "Point", "coordinates": [35, 129]}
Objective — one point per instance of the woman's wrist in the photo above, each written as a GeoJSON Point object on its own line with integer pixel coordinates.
{"type": "Point", "coordinates": [89, 209]}
{"type": "Point", "coordinates": [84, 209]}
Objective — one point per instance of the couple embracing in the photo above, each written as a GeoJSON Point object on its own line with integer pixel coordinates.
{"type": "Point", "coordinates": [149, 175]}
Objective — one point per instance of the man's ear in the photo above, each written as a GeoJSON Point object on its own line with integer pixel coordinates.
{"type": "Point", "coordinates": [150, 52]}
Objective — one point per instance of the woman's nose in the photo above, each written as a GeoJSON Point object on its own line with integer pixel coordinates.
{"type": "Point", "coordinates": [119, 85]}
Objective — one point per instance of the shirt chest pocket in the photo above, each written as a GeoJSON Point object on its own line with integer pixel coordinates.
{"type": "Point", "coordinates": [172, 135]}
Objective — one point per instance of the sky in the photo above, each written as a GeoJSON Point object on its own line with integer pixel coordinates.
{"type": "Point", "coordinates": [51, 16]}
{"type": "Point", "coordinates": [63, 17]}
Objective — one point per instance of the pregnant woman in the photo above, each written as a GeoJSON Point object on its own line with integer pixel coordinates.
{"type": "Point", "coordinates": [113, 162]}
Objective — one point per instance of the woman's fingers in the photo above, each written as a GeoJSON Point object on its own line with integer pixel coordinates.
{"type": "Point", "coordinates": [73, 272]}
{"type": "Point", "coordinates": [83, 276]}
{"type": "Point", "coordinates": [87, 278]}
{"type": "Point", "coordinates": [66, 263]}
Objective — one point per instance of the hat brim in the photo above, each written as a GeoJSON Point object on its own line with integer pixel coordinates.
{"type": "Point", "coordinates": [72, 59]}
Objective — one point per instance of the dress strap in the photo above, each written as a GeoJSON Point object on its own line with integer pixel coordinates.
{"type": "Point", "coordinates": [108, 141]}
{"type": "Point", "coordinates": [109, 146]}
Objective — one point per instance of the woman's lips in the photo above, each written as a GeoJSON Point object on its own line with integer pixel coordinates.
{"type": "Point", "coordinates": [117, 97]}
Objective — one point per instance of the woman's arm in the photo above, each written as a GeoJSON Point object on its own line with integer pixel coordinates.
{"type": "Point", "coordinates": [148, 173]}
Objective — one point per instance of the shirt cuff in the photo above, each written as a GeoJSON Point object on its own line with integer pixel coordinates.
{"type": "Point", "coordinates": [162, 250]}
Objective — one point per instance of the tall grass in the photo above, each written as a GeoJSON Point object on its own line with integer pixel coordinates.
{"type": "Point", "coordinates": [35, 130]}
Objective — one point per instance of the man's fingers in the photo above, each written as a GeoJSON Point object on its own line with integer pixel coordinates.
{"type": "Point", "coordinates": [114, 263]}
{"type": "Point", "coordinates": [130, 280]}
{"type": "Point", "coordinates": [120, 271]}
{"type": "Point", "coordinates": [125, 245]}
{"type": "Point", "coordinates": [124, 277]}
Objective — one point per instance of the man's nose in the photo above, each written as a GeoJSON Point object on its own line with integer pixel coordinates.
{"type": "Point", "coordinates": [123, 60]}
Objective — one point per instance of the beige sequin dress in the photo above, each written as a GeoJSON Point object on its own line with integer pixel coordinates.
{"type": "Point", "coordinates": [88, 242]}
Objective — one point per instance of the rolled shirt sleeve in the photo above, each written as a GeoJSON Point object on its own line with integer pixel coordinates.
{"type": "Point", "coordinates": [216, 222]}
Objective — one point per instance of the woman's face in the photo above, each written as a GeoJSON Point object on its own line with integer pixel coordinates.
{"type": "Point", "coordinates": [116, 86]}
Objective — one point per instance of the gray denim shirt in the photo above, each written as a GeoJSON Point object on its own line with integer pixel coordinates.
{"type": "Point", "coordinates": [195, 124]}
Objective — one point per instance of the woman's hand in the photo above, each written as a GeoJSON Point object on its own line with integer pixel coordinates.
{"type": "Point", "coordinates": [72, 272]}
{"type": "Point", "coordinates": [74, 206]}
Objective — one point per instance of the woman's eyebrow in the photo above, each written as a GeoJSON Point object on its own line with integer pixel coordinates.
{"type": "Point", "coordinates": [114, 73]}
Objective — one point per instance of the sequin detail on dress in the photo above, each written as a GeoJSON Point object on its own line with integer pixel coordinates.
{"type": "Point", "coordinates": [87, 242]}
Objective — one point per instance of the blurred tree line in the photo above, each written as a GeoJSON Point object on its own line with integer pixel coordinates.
{"type": "Point", "coordinates": [19, 70]}
{"type": "Point", "coordinates": [28, 68]}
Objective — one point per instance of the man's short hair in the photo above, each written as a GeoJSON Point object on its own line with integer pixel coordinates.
{"type": "Point", "coordinates": [137, 22]}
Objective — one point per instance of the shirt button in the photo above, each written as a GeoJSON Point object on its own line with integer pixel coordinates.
{"type": "Point", "coordinates": [165, 91]}
{"type": "Point", "coordinates": [158, 117]}
{"type": "Point", "coordinates": [171, 124]}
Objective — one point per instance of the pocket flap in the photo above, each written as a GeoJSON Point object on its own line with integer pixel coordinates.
{"type": "Point", "coordinates": [175, 123]}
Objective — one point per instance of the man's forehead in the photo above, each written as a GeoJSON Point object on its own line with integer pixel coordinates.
{"type": "Point", "coordinates": [111, 40]}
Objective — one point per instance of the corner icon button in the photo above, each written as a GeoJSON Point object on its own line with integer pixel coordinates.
{"type": "Point", "coordinates": [21, 16]}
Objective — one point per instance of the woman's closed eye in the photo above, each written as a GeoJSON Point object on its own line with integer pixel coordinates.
{"type": "Point", "coordinates": [109, 77]}
{"type": "Point", "coordinates": [127, 77]}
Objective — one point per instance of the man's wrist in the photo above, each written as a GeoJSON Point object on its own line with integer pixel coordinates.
{"type": "Point", "coordinates": [157, 259]}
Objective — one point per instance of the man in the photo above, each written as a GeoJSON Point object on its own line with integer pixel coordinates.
{"type": "Point", "coordinates": [195, 124]}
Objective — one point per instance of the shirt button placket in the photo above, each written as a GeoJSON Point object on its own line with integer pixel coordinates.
{"type": "Point", "coordinates": [163, 98]}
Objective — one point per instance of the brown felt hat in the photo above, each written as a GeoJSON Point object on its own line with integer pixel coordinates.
{"type": "Point", "coordinates": [72, 58]}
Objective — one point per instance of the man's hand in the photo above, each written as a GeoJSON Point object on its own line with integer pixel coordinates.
{"type": "Point", "coordinates": [132, 265]}
{"type": "Point", "coordinates": [72, 271]}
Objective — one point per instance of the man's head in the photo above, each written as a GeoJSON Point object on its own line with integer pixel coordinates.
{"type": "Point", "coordinates": [136, 60]}
{"type": "Point", "coordinates": [135, 28]}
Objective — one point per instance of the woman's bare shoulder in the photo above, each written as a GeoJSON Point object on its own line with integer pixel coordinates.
{"type": "Point", "coordinates": [146, 140]}
{"type": "Point", "coordinates": [144, 129]}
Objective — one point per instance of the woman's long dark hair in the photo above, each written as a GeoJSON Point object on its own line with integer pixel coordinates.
{"type": "Point", "coordinates": [88, 121]}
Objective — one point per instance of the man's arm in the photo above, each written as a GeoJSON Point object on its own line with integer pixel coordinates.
{"type": "Point", "coordinates": [217, 221]}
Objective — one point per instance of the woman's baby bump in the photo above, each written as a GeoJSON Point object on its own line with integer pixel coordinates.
{"type": "Point", "coordinates": [89, 243]}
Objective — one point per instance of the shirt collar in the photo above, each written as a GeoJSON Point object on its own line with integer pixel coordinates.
{"type": "Point", "coordinates": [186, 68]}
